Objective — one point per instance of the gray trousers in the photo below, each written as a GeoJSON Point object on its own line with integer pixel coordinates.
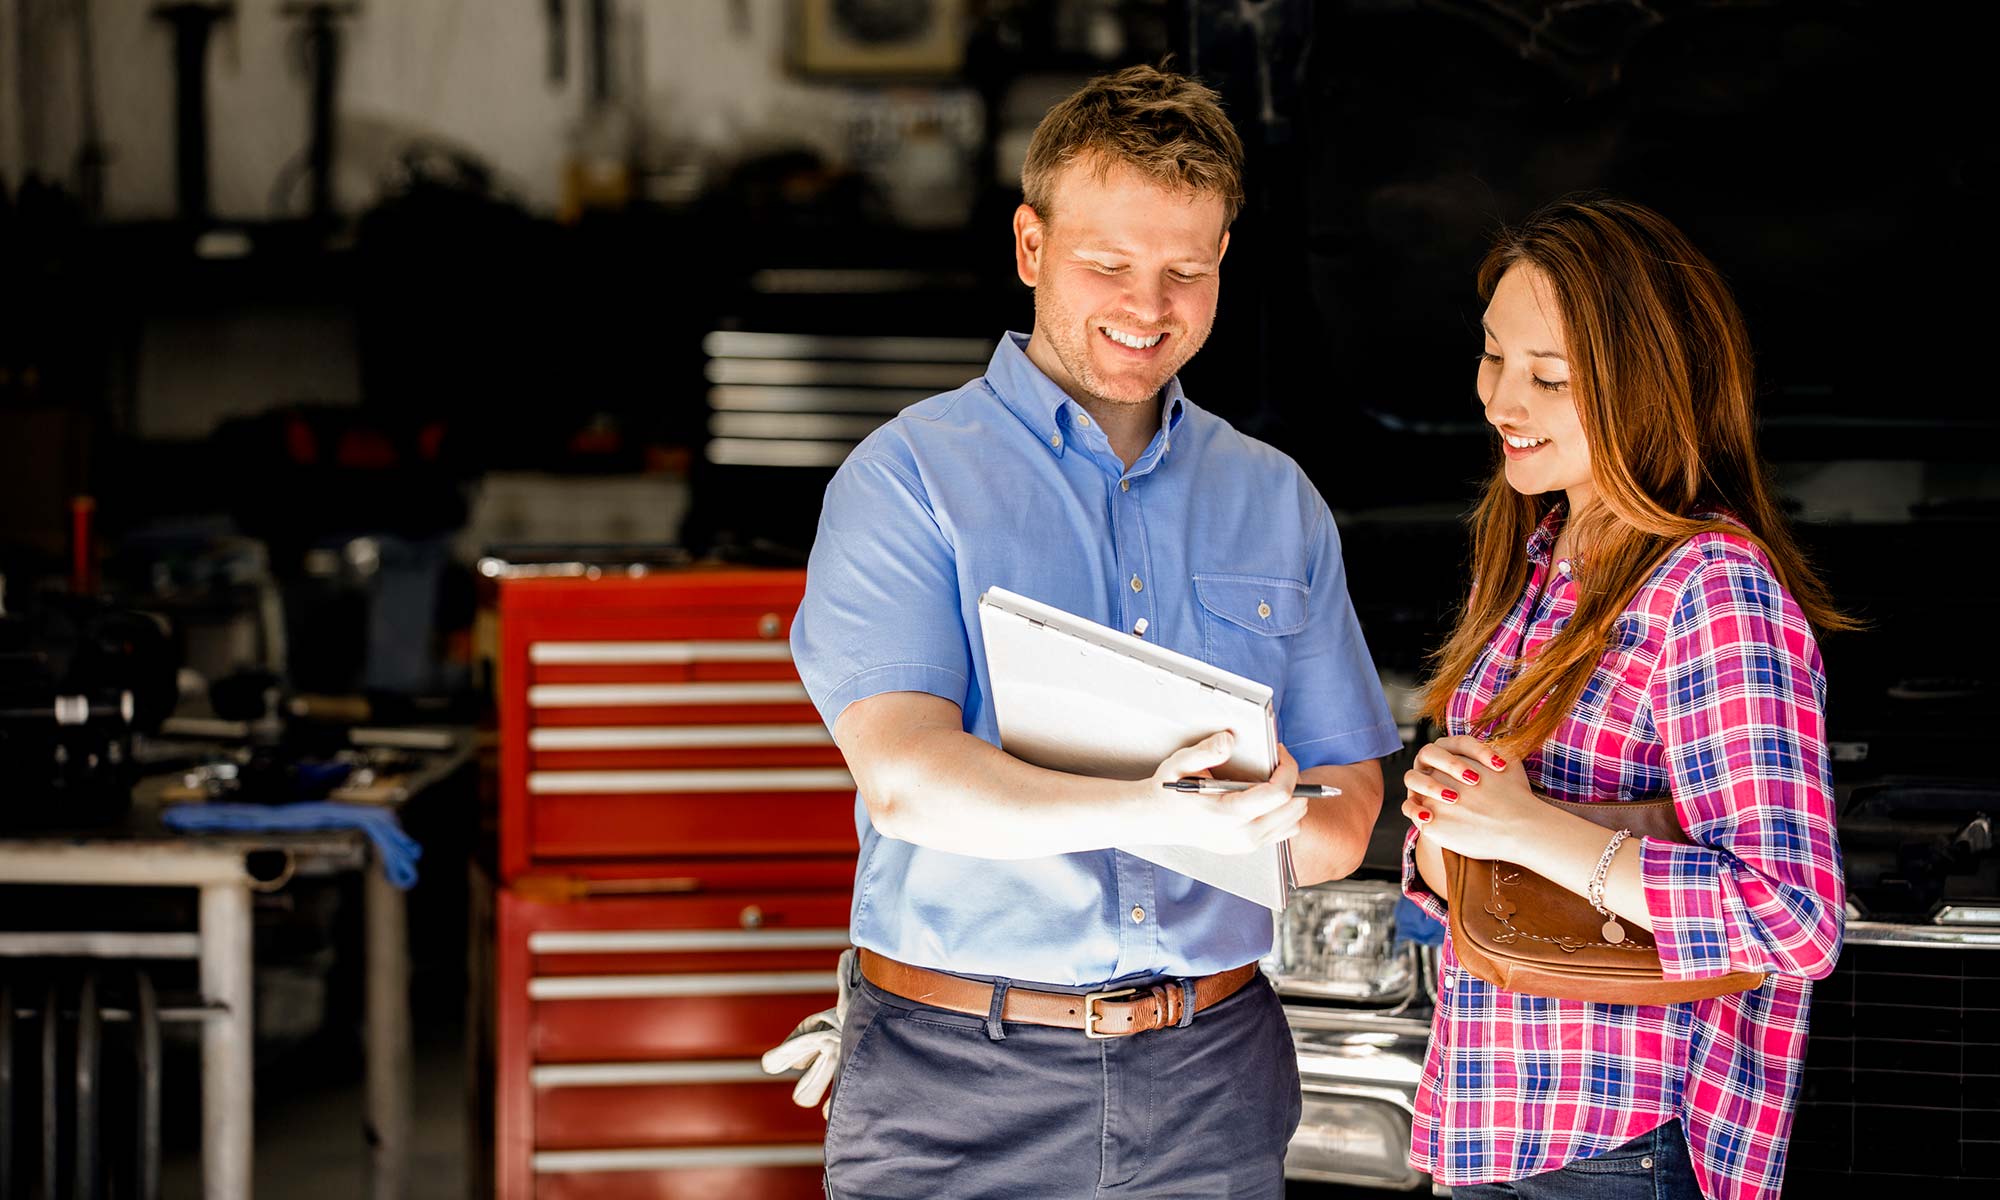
{"type": "Point", "coordinates": [930, 1105]}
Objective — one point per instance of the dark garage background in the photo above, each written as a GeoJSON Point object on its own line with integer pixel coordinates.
{"type": "Point", "coordinates": [443, 281]}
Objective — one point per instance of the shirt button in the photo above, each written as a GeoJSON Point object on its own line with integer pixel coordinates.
{"type": "Point", "coordinates": [1138, 915]}
{"type": "Point", "coordinates": [1562, 566]}
{"type": "Point", "coordinates": [1055, 441]}
{"type": "Point", "coordinates": [1449, 979]}
{"type": "Point", "coordinates": [1263, 610]}
{"type": "Point", "coordinates": [1137, 585]}
{"type": "Point", "coordinates": [1083, 420]}
{"type": "Point", "coordinates": [1124, 485]}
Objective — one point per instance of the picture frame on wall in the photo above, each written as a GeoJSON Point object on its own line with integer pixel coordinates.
{"type": "Point", "coordinates": [878, 39]}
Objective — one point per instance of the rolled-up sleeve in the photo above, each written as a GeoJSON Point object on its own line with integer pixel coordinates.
{"type": "Point", "coordinates": [1414, 887]}
{"type": "Point", "coordinates": [1332, 710]}
{"type": "Point", "coordinates": [1738, 700]}
{"type": "Point", "coordinates": [881, 608]}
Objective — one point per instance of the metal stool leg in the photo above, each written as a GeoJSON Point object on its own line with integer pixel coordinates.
{"type": "Point", "coordinates": [6, 1092]}
{"type": "Point", "coordinates": [89, 1055]}
{"type": "Point", "coordinates": [51, 1169]}
{"type": "Point", "coordinates": [146, 1085]}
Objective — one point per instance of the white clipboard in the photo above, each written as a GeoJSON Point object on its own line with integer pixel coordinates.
{"type": "Point", "coordinates": [1075, 696]}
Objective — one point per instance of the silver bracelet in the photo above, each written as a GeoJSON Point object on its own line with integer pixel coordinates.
{"type": "Point", "coordinates": [1613, 931]}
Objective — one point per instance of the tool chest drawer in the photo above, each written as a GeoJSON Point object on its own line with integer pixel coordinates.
{"type": "Point", "coordinates": [660, 716]}
{"type": "Point", "coordinates": [632, 1029]}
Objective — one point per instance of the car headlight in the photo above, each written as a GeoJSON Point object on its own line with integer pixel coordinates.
{"type": "Point", "coordinates": [1339, 940]}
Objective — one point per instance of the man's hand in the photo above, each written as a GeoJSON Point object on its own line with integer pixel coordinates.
{"type": "Point", "coordinates": [1232, 823]}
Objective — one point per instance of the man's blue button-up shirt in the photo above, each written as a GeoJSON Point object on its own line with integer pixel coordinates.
{"type": "Point", "coordinates": [1217, 541]}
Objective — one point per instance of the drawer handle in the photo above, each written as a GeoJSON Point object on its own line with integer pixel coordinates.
{"type": "Point", "coordinates": [677, 737]}
{"type": "Point", "coordinates": [631, 695]}
{"type": "Point", "coordinates": [684, 1158]}
{"type": "Point", "coordinates": [558, 889]}
{"type": "Point", "coordinates": [640, 653]}
{"type": "Point", "coordinates": [766, 779]}
{"type": "Point", "coordinates": [638, 1074]}
{"type": "Point", "coordinates": [670, 941]}
{"type": "Point", "coordinates": [607, 987]}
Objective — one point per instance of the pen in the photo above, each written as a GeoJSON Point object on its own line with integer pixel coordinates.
{"type": "Point", "coordinates": [1218, 787]}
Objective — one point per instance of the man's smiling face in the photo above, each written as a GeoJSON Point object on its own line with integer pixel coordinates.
{"type": "Point", "coordinates": [1126, 275]}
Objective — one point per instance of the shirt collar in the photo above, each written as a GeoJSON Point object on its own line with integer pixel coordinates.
{"type": "Point", "coordinates": [1542, 542]}
{"type": "Point", "coordinates": [1049, 412]}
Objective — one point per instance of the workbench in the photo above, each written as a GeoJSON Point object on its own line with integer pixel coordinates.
{"type": "Point", "coordinates": [226, 869]}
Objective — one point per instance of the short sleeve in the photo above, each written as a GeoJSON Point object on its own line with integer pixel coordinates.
{"type": "Point", "coordinates": [882, 610]}
{"type": "Point", "coordinates": [1332, 710]}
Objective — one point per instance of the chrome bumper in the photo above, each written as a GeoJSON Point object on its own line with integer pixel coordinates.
{"type": "Point", "coordinates": [1359, 1074]}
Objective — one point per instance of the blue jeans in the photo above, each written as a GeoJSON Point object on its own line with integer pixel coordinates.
{"type": "Point", "coordinates": [930, 1106]}
{"type": "Point", "coordinates": [1652, 1166]}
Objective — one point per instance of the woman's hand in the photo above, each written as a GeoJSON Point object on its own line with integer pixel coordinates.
{"type": "Point", "coordinates": [1466, 800]}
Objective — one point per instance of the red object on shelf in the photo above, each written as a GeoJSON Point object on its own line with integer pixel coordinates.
{"type": "Point", "coordinates": [652, 729]}
{"type": "Point", "coordinates": [82, 550]}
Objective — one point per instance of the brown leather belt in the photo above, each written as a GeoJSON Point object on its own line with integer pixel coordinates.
{"type": "Point", "coordinates": [1117, 1013]}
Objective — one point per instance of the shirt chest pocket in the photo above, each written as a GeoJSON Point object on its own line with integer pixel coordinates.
{"type": "Point", "coordinates": [1247, 623]}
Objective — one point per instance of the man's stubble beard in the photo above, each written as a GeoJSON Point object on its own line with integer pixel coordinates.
{"type": "Point", "coordinates": [1052, 315]}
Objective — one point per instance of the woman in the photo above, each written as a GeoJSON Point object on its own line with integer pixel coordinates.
{"type": "Point", "coordinates": [1639, 624]}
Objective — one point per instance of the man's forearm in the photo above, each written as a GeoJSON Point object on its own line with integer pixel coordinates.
{"type": "Point", "coordinates": [1334, 836]}
{"type": "Point", "coordinates": [943, 788]}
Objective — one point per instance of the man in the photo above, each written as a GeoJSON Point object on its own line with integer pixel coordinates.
{"type": "Point", "coordinates": [988, 907]}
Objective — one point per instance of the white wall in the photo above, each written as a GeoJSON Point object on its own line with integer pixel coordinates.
{"type": "Point", "coordinates": [472, 72]}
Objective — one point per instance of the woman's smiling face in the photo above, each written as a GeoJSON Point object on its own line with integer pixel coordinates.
{"type": "Point", "coordinates": [1524, 386]}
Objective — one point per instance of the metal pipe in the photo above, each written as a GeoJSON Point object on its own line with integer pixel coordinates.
{"type": "Point", "coordinates": [389, 1042]}
{"type": "Point", "coordinates": [226, 1116]}
{"type": "Point", "coordinates": [154, 865]}
{"type": "Point", "coordinates": [99, 945]}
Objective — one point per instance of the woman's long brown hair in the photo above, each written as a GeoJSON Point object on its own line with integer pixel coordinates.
{"type": "Point", "coordinates": [1660, 372]}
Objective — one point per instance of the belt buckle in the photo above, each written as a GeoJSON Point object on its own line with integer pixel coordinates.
{"type": "Point", "coordinates": [1090, 1013]}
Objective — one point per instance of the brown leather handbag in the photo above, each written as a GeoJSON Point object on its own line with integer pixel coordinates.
{"type": "Point", "coordinates": [1516, 930]}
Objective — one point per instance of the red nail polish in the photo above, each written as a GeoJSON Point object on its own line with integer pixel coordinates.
{"type": "Point", "coordinates": [1447, 794]}
{"type": "Point", "coordinates": [1423, 815]}
{"type": "Point", "coordinates": [1472, 777]}
{"type": "Point", "coordinates": [1498, 762]}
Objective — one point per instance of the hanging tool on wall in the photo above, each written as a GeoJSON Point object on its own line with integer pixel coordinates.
{"type": "Point", "coordinates": [558, 20]}
{"type": "Point", "coordinates": [320, 38]}
{"type": "Point", "coordinates": [192, 21]}
{"type": "Point", "coordinates": [91, 155]}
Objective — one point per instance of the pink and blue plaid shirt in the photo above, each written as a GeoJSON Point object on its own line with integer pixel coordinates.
{"type": "Point", "coordinates": [1712, 692]}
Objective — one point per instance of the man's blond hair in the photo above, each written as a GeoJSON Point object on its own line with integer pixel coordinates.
{"type": "Point", "coordinates": [1168, 127]}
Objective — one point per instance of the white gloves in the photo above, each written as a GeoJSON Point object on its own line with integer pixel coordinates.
{"type": "Point", "coordinates": [814, 1046]}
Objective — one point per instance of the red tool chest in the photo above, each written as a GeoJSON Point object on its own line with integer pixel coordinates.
{"type": "Point", "coordinates": [676, 859]}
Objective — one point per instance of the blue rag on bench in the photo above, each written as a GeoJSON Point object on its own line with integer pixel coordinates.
{"type": "Point", "coordinates": [397, 850]}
